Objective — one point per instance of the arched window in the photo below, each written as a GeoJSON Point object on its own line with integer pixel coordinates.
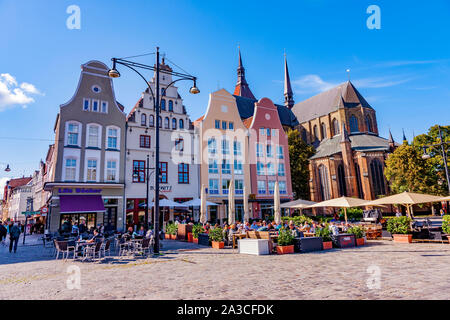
{"type": "Point", "coordinates": [324, 186]}
{"type": "Point", "coordinates": [166, 123]}
{"type": "Point", "coordinates": [335, 127]}
{"type": "Point", "coordinates": [151, 121]}
{"type": "Point", "coordinates": [376, 171]}
{"type": "Point", "coordinates": [369, 124]}
{"type": "Point", "coordinates": [323, 128]}
{"type": "Point", "coordinates": [341, 180]}
{"type": "Point", "coordinates": [143, 119]}
{"type": "Point", "coordinates": [304, 135]}
{"type": "Point", "coordinates": [170, 105]}
{"type": "Point", "coordinates": [174, 123]}
{"type": "Point", "coordinates": [354, 124]}
{"type": "Point", "coordinates": [163, 104]}
{"type": "Point", "coordinates": [181, 125]}
{"type": "Point", "coordinates": [358, 180]}
{"type": "Point", "coordinates": [316, 133]}
{"type": "Point", "coordinates": [160, 121]}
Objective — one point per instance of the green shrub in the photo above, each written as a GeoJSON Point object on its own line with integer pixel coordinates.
{"type": "Point", "coordinates": [353, 214]}
{"type": "Point", "coordinates": [446, 224]}
{"type": "Point", "coordinates": [324, 233]}
{"type": "Point", "coordinates": [171, 228]}
{"type": "Point", "coordinates": [358, 231]}
{"type": "Point", "coordinates": [399, 225]}
{"type": "Point", "coordinates": [196, 230]}
{"type": "Point", "coordinates": [285, 238]}
{"type": "Point", "coordinates": [298, 220]}
{"type": "Point", "coordinates": [216, 234]}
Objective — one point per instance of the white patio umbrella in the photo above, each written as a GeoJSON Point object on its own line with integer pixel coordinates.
{"type": "Point", "coordinates": [445, 199]}
{"type": "Point", "coordinates": [297, 204]}
{"type": "Point", "coordinates": [342, 202]}
{"type": "Point", "coordinates": [276, 204]}
{"type": "Point", "coordinates": [231, 215]}
{"type": "Point", "coordinates": [165, 203]}
{"type": "Point", "coordinates": [198, 202]}
{"type": "Point", "coordinates": [246, 211]}
{"type": "Point", "coordinates": [203, 207]}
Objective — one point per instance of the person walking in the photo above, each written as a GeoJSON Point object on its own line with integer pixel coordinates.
{"type": "Point", "coordinates": [3, 233]}
{"type": "Point", "coordinates": [14, 234]}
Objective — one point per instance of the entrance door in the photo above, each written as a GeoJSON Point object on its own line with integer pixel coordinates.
{"type": "Point", "coordinates": [110, 219]}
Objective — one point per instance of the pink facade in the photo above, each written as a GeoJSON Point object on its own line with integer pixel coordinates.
{"type": "Point", "coordinates": [269, 157]}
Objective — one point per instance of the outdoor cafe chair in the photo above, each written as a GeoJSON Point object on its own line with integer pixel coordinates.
{"type": "Point", "coordinates": [106, 248]}
{"type": "Point", "coordinates": [143, 247]}
{"type": "Point", "coordinates": [64, 248]}
{"type": "Point", "coordinates": [125, 247]}
{"type": "Point", "coordinates": [93, 251]}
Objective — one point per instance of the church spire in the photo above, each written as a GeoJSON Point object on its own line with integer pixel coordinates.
{"type": "Point", "coordinates": [404, 137]}
{"type": "Point", "coordinates": [242, 89]}
{"type": "Point", "coordinates": [288, 94]}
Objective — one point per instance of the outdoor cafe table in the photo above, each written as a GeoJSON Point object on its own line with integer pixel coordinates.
{"type": "Point", "coordinates": [238, 235]}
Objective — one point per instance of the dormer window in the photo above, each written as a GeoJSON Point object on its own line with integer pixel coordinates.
{"type": "Point", "coordinates": [86, 104]}
{"type": "Point", "coordinates": [95, 106]}
{"type": "Point", "coordinates": [104, 106]}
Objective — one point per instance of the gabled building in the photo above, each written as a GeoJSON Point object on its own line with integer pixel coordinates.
{"type": "Point", "coordinates": [15, 195]}
{"type": "Point", "coordinates": [87, 177]}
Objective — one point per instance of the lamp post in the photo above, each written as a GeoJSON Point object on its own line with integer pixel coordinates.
{"type": "Point", "coordinates": [148, 171]}
{"type": "Point", "coordinates": [426, 155]}
{"type": "Point", "coordinates": [114, 73]}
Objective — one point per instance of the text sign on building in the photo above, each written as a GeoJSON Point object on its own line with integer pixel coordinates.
{"type": "Point", "coordinates": [162, 188]}
{"type": "Point", "coordinates": [79, 190]}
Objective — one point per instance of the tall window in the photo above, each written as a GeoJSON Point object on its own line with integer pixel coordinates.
{"type": "Point", "coordinates": [71, 167]}
{"type": "Point", "coordinates": [270, 169]}
{"type": "Point", "coordinates": [163, 172]}
{"type": "Point", "coordinates": [341, 180]}
{"type": "Point", "coordinates": [86, 104]}
{"type": "Point", "coordinates": [212, 166]}
{"type": "Point", "coordinates": [104, 105]}
{"type": "Point", "coordinates": [271, 185]}
{"type": "Point", "coordinates": [225, 186]}
{"type": "Point", "coordinates": [259, 150]}
{"type": "Point", "coordinates": [91, 170]}
{"type": "Point", "coordinates": [316, 133]}
{"type": "Point", "coordinates": [213, 186]}
{"type": "Point", "coordinates": [217, 124]}
{"type": "Point", "coordinates": [237, 148]}
{"type": "Point", "coordinates": [95, 106]}
{"type": "Point", "coordinates": [281, 171]}
{"type": "Point", "coordinates": [151, 121]}
{"type": "Point", "coordinates": [335, 127]}
{"type": "Point", "coordinates": [143, 119]}
{"type": "Point", "coordinates": [145, 141]}
{"type": "Point", "coordinates": [224, 125]}
{"type": "Point", "coordinates": [231, 125]}
{"type": "Point", "coordinates": [354, 124]}
{"type": "Point", "coordinates": [304, 135]}
{"type": "Point", "coordinates": [324, 130]}
{"type": "Point", "coordinates": [72, 134]}
{"type": "Point", "coordinates": [280, 153]}
{"type": "Point", "coordinates": [369, 124]}
{"type": "Point", "coordinates": [112, 138]}
{"type": "Point", "coordinates": [376, 170]}
{"type": "Point", "coordinates": [138, 171]}
{"type": "Point", "coordinates": [226, 166]}
{"type": "Point", "coordinates": [170, 105]}
{"type": "Point", "coordinates": [212, 146]}
{"type": "Point", "coordinates": [166, 123]}
{"type": "Point", "coordinates": [111, 171]}
{"type": "Point", "coordinates": [183, 173]}
{"type": "Point", "coordinates": [174, 124]}
{"type": "Point", "coordinates": [93, 135]}
{"type": "Point", "coordinates": [282, 185]}
{"type": "Point", "coordinates": [238, 167]}
{"type": "Point", "coordinates": [260, 169]}
{"type": "Point", "coordinates": [324, 186]}
{"type": "Point", "coordinates": [181, 124]}
{"type": "Point", "coordinates": [262, 131]}
{"type": "Point", "coordinates": [261, 187]}
{"type": "Point", "coordinates": [163, 104]}
{"type": "Point", "coordinates": [160, 121]}
{"type": "Point", "coordinates": [269, 151]}
{"type": "Point", "coordinates": [225, 146]}
{"type": "Point", "coordinates": [358, 180]}
{"type": "Point", "coordinates": [179, 145]}
{"type": "Point", "coordinates": [239, 186]}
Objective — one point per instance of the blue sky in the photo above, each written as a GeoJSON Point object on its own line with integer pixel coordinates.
{"type": "Point", "coordinates": [403, 69]}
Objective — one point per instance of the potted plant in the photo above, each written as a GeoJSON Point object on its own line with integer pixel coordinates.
{"type": "Point", "coordinates": [285, 242]}
{"type": "Point", "coordinates": [400, 228]}
{"type": "Point", "coordinates": [190, 237]}
{"type": "Point", "coordinates": [358, 231]}
{"type": "Point", "coordinates": [171, 229]}
{"type": "Point", "coordinates": [196, 230]}
{"type": "Point", "coordinates": [216, 237]}
{"type": "Point", "coordinates": [446, 225]}
{"type": "Point", "coordinates": [325, 234]}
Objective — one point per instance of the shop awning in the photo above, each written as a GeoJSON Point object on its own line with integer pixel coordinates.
{"type": "Point", "coordinates": [81, 204]}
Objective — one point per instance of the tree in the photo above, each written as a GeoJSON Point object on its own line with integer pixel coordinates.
{"type": "Point", "coordinates": [299, 154]}
{"type": "Point", "coordinates": [407, 171]}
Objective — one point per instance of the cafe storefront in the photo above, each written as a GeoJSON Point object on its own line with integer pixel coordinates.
{"type": "Point", "coordinates": [92, 204]}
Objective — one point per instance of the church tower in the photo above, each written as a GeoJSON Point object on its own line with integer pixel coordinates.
{"type": "Point", "coordinates": [242, 89]}
{"type": "Point", "coordinates": [288, 94]}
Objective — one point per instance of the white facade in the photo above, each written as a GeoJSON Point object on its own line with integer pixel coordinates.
{"type": "Point", "coordinates": [179, 173]}
{"type": "Point", "coordinates": [18, 202]}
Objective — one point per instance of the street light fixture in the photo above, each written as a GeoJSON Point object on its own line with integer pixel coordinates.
{"type": "Point", "coordinates": [8, 169]}
{"type": "Point", "coordinates": [114, 73]}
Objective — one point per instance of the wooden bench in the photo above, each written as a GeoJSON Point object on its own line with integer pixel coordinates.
{"type": "Point", "coordinates": [261, 235]}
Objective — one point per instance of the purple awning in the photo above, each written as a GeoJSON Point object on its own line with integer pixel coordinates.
{"type": "Point", "coordinates": [81, 204]}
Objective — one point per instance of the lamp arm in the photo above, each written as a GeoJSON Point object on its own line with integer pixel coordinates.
{"type": "Point", "coordinates": [150, 88]}
{"type": "Point", "coordinates": [165, 89]}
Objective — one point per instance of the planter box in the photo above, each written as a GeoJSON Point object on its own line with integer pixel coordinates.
{"type": "Point", "coordinates": [203, 239]}
{"type": "Point", "coordinates": [327, 245]}
{"type": "Point", "coordinates": [218, 245]}
{"type": "Point", "coordinates": [285, 249]}
{"type": "Point", "coordinates": [173, 236]}
{"type": "Point", "coordinates": [308, 244]}
{"type": "Point", "coordinates": [360, 242]}
{"type": "Point", "coordinates": [253, 246]}
{"type": "Point", "coordinates": [345, 240]}
{"type": "Point", "coordinates": [167, 236]}
{"type": "Point", "coordinates": [190, 237]}
{"type": "Point", "coordinates": [195, 240]}
{"type": "Point", "coordinates": [183, 231]}
{"type": "Point", "coordinates": [403, 238]}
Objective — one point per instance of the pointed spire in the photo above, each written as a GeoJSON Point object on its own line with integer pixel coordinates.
{"type": "Point", "coordinates": [404, 136]}
{"type": "Point", "coordinates": [242, 89]}
{"type": "Point", "coordinates": [391, 139]}
{"type": "Point", "coordinates": [288, 94]}
{"type": "Point", "coordinates": [344, 136]}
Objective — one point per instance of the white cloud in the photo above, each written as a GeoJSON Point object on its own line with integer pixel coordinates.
{"type": "Point", "coordinates": [312, 83]}
{"type": "Point", "coordinates": [380, 82]}
{"type": "Point", "coordinates": [12, 94]}
{"type": "Point", "coordinates": [402, 63]}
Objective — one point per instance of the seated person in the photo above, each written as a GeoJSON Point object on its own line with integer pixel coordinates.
{"type": "Point", "coordinates": [295, 232]}
{"type": "Point", "coordinates": [254, 225]}
{"type": "Point", "coordinates": [129, 234]}
{"type": "Point", "coordinates": [278, 226]}
{"type": "Point", "coordinates": [95, 237]}
{"type": "Point", "coordinates": [140, 233]}
{"type": "Point", "coordinates": [270, 227]}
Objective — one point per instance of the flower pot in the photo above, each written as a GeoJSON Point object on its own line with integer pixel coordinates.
{"type": "Point", "coordinates": [173, 236]}
{"type": "Point", "coordinates": [195, 240]}
{"type": "Point", "coordinates": [190, 237]}
{"type": "Point", "coordinates": [327, 245]}
{"type": "Point", "coordinates": [167, 236]}
{"type": "Point", "coordinates": [218, 245]}
{"type": "Point", "coordinates": [402, 238]}
{"type": "Point", "coordinates": [285, 249]}
{"type": "Point", "coordinates": [360, 242]}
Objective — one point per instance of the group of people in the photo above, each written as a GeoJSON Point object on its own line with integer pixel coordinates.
{"type": "Point", "coordinates": [14, 230]}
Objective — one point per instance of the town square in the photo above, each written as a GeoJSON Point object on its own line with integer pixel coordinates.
{"type": "Point", "coordinates": [305, 160]}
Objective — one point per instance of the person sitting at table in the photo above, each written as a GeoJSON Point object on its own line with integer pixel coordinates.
{"type": "Point", "coordinates": [295, 232]}
{"type": "Point", "coordinates": [334, 229]}
{"type": "Point", "coordinates": [140, 233]}
{"type": "Point", "coordinates": [313, 228]}
{"type": "Point", "coordinates": [149, 233]}
{"type": "Point", "coordinates": [231, 231]}
{"type": "Point", "coordinates": [254, 225]}
{"type": "Point", "coordinates": [129, 234]}
{"type": "Point", "coordinates": [343, 227]}
{"type": "Point", "coordinates": [95, 237]}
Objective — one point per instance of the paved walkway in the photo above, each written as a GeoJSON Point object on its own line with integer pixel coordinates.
{"type": "Point", "coordinates": [380, 270]}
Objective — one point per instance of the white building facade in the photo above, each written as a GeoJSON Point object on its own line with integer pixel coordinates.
{"type": "Point", "coordinates": [18, 203]}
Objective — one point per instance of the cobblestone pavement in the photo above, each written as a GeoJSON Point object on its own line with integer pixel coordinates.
{"type": "Point", "coordinates": [188, 271]}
